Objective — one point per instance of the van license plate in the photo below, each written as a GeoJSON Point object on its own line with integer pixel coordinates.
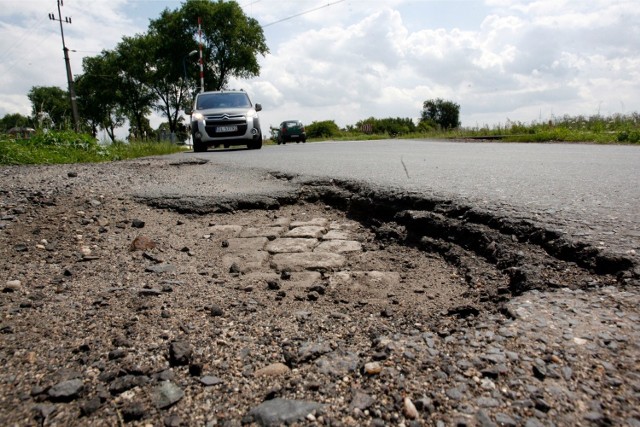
{"type": "Point", "coordinates": [227, 128]}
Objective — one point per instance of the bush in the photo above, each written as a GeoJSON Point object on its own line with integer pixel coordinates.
{"type": "Point", "coordinates": [324, 129]}
{"type": "Point", "coordinates": [629, 136]}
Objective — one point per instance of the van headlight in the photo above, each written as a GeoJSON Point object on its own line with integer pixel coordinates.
{"type": "Point", "coordinates": [197, 116]}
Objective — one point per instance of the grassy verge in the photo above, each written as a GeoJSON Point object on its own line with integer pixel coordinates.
{"type": "Point", "coordinates": [70, 147]}
{"type": "Point", "coordinates": [616, 129]}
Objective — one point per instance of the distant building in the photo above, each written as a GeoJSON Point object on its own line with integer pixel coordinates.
{"type": "Point", "coordinates": [21, 132]}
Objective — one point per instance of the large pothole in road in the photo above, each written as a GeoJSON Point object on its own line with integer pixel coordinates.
{"type": "Point", "coordinates": [310, 253]}
{"type": "Point", "coordinates": [494, 256]}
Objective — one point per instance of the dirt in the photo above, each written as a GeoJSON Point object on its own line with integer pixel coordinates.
{"type": "Point", "coordinates": [106, 300]}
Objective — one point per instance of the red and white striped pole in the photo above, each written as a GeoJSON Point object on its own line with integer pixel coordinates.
{"type": "Point", "coordinates": [201, 60]}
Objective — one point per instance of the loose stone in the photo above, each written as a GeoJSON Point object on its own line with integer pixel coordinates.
{"type": "Point", "coordinates": [372, 368]}
{"type": "Point", "coordinates": [166, 394]}
{"type": "Point", "coordinates": [409, 409]}
{"type": "Point", "coordinates": [272, 370]}
{"type": "Point", "coordinates": [180, 353]}
{"type": "Point", "coordinates": [66, 390]}
{"type": "Point", "coordinates": [282, 412]}
{"type": "Point", "coordinates": [12, 286]}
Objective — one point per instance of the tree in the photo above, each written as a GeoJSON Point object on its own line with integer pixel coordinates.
{"type": "Point", "coordinates": [50, 103]}
{"type": "Point", "coordinates": [324, 129]}
{"type": "Point", "coordinates": [12, 121]}
{"type": "Point", "coordinates": [439, 112]}
{"type": "Point", "coordinates": [133, 59]}
{"type": "Point", "coordinates": [169, 41]}
{"type": "Point", "coordinates": [232, 40]}
{"type": "Point", "coordinates": [149, 70]}
{"type": "Point", "coordinates": [392, 126]}
{"type": "Point", "coordinates": [98, 101]}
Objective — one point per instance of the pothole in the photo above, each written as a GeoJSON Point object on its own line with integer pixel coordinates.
{"type": "Point", "coordinates": [480, 243]}
{"type": "Point", "coordinates": [496, 256]}
{"type": "Point", "coordinates": [311, 253]}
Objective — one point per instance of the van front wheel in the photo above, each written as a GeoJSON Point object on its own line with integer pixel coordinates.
{"type": "Point", "coordinates": [199, 146]}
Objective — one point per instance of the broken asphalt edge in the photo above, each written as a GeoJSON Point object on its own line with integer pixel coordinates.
{"type": "Point", "coordinates": [454, 230]}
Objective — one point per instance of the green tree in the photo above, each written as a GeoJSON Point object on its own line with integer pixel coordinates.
{"type": "Point", "coordinates": [149, 70]}
{"type": "Point", "coordinates": [98, 101]}
{"type": "Point", "coordinates": [440, 113]}
{"type": "Point", "coordinates": [13, 120]}
{"type": "Point", "coordinates": [232, 40]}
{"type": "Point", "coordinates": [392, 126]}
{"type": "Point", "coordinates": [169, 43]}
{"type": "Point", "coordinates": [50, 103]}
{"type": "Point", "coordinates": [133, 62]}
{"type": "Point", "coordinates": [324, 129]}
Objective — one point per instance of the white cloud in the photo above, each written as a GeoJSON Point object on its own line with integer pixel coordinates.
{"type": "Point", "coordinates": [517, 59]}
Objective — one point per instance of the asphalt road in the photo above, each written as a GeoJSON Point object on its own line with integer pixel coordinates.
{"type": "Point", "coordinates": [590, 192]}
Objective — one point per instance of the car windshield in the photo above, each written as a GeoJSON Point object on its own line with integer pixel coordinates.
{"type": "Point", "coordinates": [292, 124]}
{"type": "Point", "coordinates": [222, 100]}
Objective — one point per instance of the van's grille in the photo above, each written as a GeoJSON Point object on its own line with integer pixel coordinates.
{"type": "Point", "coordinates": [212, 122]}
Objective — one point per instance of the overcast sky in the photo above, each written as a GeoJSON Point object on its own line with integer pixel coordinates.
{"type": "Point", "coordinates": [347, 60]}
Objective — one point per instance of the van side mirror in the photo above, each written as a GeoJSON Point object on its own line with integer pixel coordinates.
{"type": "Point", "coordinates": [188, 111]}
{"type": "Point", "coordinates": [258, 107]}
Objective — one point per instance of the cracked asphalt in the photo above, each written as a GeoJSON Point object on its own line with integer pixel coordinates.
{"type": "Point", "coordinates": [187, 290]}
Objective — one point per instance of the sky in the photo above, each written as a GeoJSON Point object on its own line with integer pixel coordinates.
{"type": "Point", "coordinates": [502, 61]}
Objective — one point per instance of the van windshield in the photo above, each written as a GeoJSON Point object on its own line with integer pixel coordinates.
{"type": "Point", "coordinates": [222, 100]}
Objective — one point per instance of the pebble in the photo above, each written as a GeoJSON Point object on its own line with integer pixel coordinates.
{"type": "Point", "coordinates": [282, 411]}
{"type": "Point", "coordinates": [66, 390]}
{"type": "Point", "coordinates": [166, 394]}
{"type": "Point", "coordinates": [173, 421]}
{"type": "Point", "coordinates": [132, 412]}
{"type": "Point", "coordinates": [361, 401]}
{"type": "Point", "coordinates": [12, 286]}
{"type": "Point", "coordinates": [372, 368]}
{"type": "Point", "coordinates": [273, 370]}
{"type": "Point", "coordinates": [142, 243]}
{"type": "Point", "coordinates": [209, 380]}
{"type": "Point", "coordinates": [127, 382]}
{"type": "Point", "coordinates": [137, 223]}
{"type": "Point", "coordinates": [180, 353]}
{"type": "Point", "coordinates": [409, 409]}
{"type": "Point", "coordinates": [161, 268]}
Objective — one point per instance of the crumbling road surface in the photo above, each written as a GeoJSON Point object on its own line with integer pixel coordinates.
{"type": "Point", "coordinates": [265, 299]}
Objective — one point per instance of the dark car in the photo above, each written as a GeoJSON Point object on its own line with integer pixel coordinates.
{"type": "Point", "coordinates": [226, 118]}
{"type": "Point", "coordinates": [291, 130]}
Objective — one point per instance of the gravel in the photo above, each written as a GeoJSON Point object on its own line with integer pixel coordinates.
{"type": "Point", "coordinates": [115, 312]}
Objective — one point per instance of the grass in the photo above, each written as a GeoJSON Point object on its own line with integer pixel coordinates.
{"type": "Point", "coordinates": [615, 129]}
{"type": "Point", "coordinates": [57, 147]}
{"type": "Point", "coordinates": [69, 147]}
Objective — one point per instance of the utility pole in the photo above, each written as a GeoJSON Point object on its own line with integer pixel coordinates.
{"type": "Point", "coordinates": [201, 59]}
{"type": "Point", "coordinates": [72, 91]}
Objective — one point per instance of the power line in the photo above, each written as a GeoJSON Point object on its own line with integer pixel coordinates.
{"type": "Point", "coordinates": [26, 35]}
{"type": "Point", "coordinates": [302, 13]}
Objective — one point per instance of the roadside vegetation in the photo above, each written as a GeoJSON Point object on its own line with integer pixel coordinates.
{"type": "Point", "coordinates": [57, 147]}
{"type": "Point", "coordinates": [67, 146]}
{"type": "Point", "coordinates": [614, 129]}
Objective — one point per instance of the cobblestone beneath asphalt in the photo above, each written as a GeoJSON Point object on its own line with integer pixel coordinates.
{"type": "Point", "coordinates": [313, 245]}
